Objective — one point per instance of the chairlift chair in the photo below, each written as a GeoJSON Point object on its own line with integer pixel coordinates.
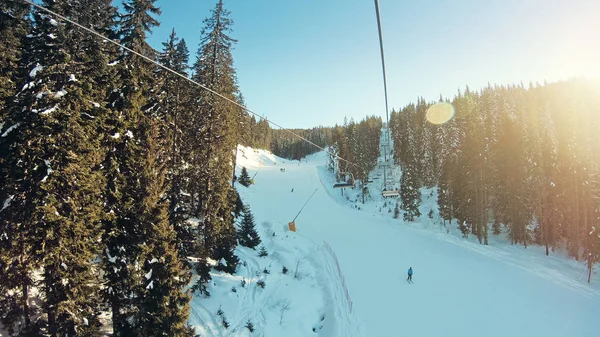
{"type": "Point", "coordinates": [390, 193]}
{"type": "Point", "coordinates": [347, 183]}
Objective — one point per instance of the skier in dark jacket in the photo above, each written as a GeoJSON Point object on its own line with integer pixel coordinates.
{"type": "Point", "coordinates": [410, 273]}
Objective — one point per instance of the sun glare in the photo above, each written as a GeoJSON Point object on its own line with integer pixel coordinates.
{"type": "Point", "coordinates": [440, 113]}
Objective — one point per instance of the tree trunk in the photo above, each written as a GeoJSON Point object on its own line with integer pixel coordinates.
{"type": "Point", "coordinates": [115, 318]}
{"type": "Point", "coordinates": [52, 322]}
{"type": "Point", "coordinates": [577, 229]}
{"type": "Point", "coordinates": [234, 163]}
{"type": "Point", "coordinates": [24, 279]}
{"type": "Point", "coordinates": [590, 267]}
{"type": "Point", "coordinates": [25, 303]}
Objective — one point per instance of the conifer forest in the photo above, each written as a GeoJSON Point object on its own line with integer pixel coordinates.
{"type": "Point", "coordinates": [117, 177]}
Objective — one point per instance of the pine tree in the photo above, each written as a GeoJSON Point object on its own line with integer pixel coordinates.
{"type": "Point", "coordinates": [123, 166]}
{"type": "Point", "coordinates": [55, 178]}
{"type": "Point", "coordinates": [138, 230]}
{"type": "Point", "coordinates": [474, 164]}
{"type": "Point", "coordinates": [514, 203]}
{"type": "Point", "coordinates": [226, 239]}
{"type": "Point", "coordinates": [410, 194]}
{"type": "Point", "coordinates": [15, 264]}
{"type": "Point", "coordinates": [515, 155]}
{"type": "Point", "coordinates": [444, 197]}
{"type": "Point", "coordinates": [202, 269]}
{"type": "Point", "coordinates": [225, 243]}
{"type": "Point", "coordinates": [247, 235]}
{"type": "Point", "coordinates": [163, 307]}
{"type": "Point", "coordinates": [244, 178]}
{"type": "Point", "coordinates": [216, 122]}
{"type": "Point", "coordinates": [13, 28]}
{"type": "Point", "coordinates": [174, 94]}
{"type": "Point", "coordinates": [397, 210]}
{"type": "Point", "coordinates": [593, 236]}
{"type": "Point", "coordinates": [263, 252]}
{"type": "Point", "coordinates": [239, 204]}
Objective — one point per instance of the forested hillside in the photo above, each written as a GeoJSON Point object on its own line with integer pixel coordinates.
{"type": "Point", "coordinates": [358, 145]}
{"type": "Point", "coordinates": [117, 175]}
{"type": "Point", "coordinates": [523, 160]}
{"type": "Point", "coordinates": [108, 172]}
{"type": "Point", "coordinates": [287, 144]}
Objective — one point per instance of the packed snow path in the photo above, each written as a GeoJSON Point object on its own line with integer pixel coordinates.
{"type": "Point", "coordinates": [460, 288]}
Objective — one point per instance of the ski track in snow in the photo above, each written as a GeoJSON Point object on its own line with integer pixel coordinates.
{"type": "Point", "coordinates": [461, 288]}
{"type": "Point", "coordinates": [530, 264]}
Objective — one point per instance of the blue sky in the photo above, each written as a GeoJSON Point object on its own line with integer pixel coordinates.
{"type": "Point", "coordinates": [304, 63]}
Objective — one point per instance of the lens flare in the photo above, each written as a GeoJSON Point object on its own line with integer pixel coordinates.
{"type": "Point", "coordinates": [440, 113]}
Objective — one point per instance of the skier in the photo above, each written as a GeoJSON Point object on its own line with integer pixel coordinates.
{"type": "Point", "coordinates": [410, 273]}
{"type": "Point", "coordinates": [292, 189]}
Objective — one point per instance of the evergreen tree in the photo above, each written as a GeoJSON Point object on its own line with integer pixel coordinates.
{"type": "Point", "coordinates": [216, 125]}
{"type": "Point", "coordinates": [225, 243]}
{"type": "Point", "coordinates": [247, 235]}
{"type": "Point", "coordinates": [445, 187]}
{"type": "Point", "coordinates": [263, 252]}
{"type": "Point", "coordinates": [474, 163]}
{"type": "Point", "coordinates": [163, 307]}
{"type": "Point", "coordinates": [244, 178]}
{"type": "Point", "coordinates": [514, 210]}
{"type": "Point", "coordinates": [138, 230]}
{"type": "Point", "coordinates": [174, 94]}
{"type": "Point", "coordinates": [522, 157]}
{"type": "Point", "coordinates": [203, 269]}
{"type": "Point", "coordinates": [397, 210]}
{"type": "Point", "coordinates": [55, 159]}
{"type": "Point", "coordinates": [427, 155]}
{"type": "Point", "coordinates": [16, 267]}
{"type": "Point", "coordinates": [226, 240]}
{"type": "Point", "coordinates": [410, 194]}
{"type": "Point", "coordinates": [239, 204]}
{"type": "Point", "coordinates": [13, 28]}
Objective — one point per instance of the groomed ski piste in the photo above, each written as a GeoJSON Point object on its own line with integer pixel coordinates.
{"type": "Point", "coordinates": [347, 264]}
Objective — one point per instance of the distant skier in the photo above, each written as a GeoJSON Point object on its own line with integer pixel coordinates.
{"type": "Point", "coordinates": [410, 273]}
{"type": "Point", "coordinates": [292, 189]}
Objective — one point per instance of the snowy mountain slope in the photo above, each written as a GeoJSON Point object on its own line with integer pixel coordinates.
{"type": "Point", "coordinates": [308, 300]}
{"type": "Point", "coordinates": [460, 287]}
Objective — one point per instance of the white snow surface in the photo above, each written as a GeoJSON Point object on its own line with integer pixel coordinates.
{"type": "Point", "coordinates": [353, 265]}
{"type": "Point", "coordinates": [12, 127]}
{"type": "Point", "coordinates": [49, 170]}
{"type": "Point", "coordinates": [35, 70]}
{"type": "Point", "coordinates": [7, 203]}
{"type": "Point", "coordinates": [60, 94]}
{"type": "Point", "coordinates": [49, 110]}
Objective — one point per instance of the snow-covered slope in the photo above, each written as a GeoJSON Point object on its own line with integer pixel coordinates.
{"type": "Point", "coordinates": [353, 271]}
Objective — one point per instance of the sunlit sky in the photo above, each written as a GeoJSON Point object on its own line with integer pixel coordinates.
{"type": "Point", "coordinates": [303, 63]}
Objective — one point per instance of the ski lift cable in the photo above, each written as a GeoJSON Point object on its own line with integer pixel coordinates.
{"type": "Point", "coordinates": [305, 204]}
{"type": "Point", "coordinates": [387, 121]}
{"type": "Point", "coordinates": [93, 32]}
{"type": "Point", "coordinates": [254, 176]}
{"type": "Point", "coordinates": [383, 69]}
